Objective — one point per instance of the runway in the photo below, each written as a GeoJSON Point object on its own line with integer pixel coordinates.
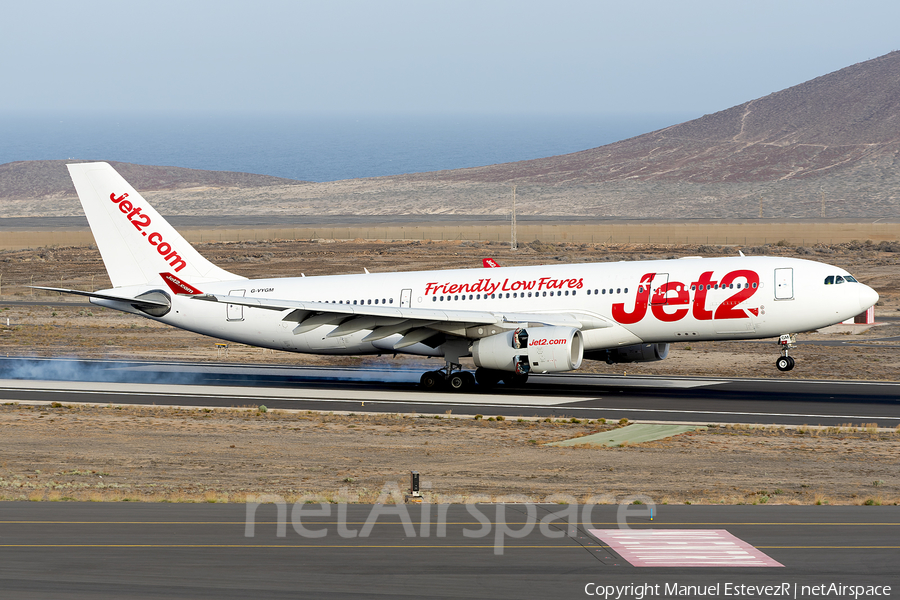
{"type": "Point", "coordinates": [692, 400]}
{"type": "Point", "coordinates": [96, 550]}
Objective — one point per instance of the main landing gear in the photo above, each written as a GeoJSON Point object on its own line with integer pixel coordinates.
{"type": "Point", "coordinates": [454, 379]}
{"type": "Point", "coordinates": [458, 381]}
{"type": "Point", "coordinates": [787, 342]}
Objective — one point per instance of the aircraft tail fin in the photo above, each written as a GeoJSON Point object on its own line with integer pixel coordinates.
{"type": "Point", "coordinates": [136, 243]}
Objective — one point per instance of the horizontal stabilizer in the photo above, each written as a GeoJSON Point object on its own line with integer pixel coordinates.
{"type": "Point", "coordinates": [130, 300]}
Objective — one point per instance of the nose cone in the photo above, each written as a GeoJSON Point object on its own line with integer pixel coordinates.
{"type": "Point", "coordinates": [867, 297]}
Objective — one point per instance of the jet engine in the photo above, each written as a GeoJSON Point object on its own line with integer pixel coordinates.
{"type": "Point", "coordinates": [631, 354]}
{"type": "Point", "coordinates": [532, 349]}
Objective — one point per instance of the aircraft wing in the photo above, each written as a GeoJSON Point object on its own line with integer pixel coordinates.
{"type": "Point", "coordinates": [415, 324]}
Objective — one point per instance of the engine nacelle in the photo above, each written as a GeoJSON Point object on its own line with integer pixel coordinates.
{"type": "Point", "coordinates": [535, 349]}
{"type": "Point", "coordinates": [631, 354]}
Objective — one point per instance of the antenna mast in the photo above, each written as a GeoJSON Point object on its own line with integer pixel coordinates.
{"type": "Point", "coordinates": [513, 245]}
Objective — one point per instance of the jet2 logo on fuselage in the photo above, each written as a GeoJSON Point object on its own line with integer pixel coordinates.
{"type": "Point", "coordinates": [664, 301]}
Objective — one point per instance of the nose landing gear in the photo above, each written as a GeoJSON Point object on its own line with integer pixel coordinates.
{"type": "Point", "coordinates": [787, 342]}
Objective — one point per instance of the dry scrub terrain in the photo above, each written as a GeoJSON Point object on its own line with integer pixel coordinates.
{"type": "Point", "coordinates": [155, 454]}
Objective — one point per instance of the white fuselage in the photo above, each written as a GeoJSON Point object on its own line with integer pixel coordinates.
{"type": "Point", "coordinates": [634, 302]}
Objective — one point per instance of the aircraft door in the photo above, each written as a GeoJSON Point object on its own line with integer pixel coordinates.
{"type": "Point", "coordinates": [658, 288]}
{"type": "Point", "coordinates": [235, 312]}
{"type": "Point", "coordinates": [784, 284]}
{"type": "Point", "coordinates": [405, 298]}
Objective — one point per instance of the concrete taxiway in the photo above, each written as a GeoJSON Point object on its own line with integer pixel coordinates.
{"type": "Point", "coordinates": [96, 550]}
{"type": "Point", "coordinates": [689, 400]}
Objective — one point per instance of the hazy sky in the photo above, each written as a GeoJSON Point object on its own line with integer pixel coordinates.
{"type": "Point", "coordinates": [575, 56]}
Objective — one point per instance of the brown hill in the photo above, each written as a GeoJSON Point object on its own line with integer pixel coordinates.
{"type": "Point", "coordinates": [50, 178]}
{"type": "Point", "coordinates": [819, 128]}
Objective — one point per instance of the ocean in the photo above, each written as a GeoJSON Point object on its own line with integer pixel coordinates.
{"type": "Point", "coordinates": [314, 147]}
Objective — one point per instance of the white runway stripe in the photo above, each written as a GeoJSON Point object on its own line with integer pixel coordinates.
{"type": "Point", "coordinates": [683, 548]}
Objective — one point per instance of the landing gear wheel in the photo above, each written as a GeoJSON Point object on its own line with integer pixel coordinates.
{"type": "Point", "coordinates": [487, 378]}
{"type": "Point", "coordinates": [432, 380]}
{"type": "Point", "coordinates": [456, 382]}
{"type": "Point", "coordinates": [785, 363]}
{"type": "Point", "coordinates": [470, 380]}
{"type": "Point", "coordinates": [515, 379]}
{"type": "Point", "coordinates": [786, 341]}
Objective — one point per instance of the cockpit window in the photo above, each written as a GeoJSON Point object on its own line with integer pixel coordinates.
{"type": "Point", "coordinates": [839, 279]}
{"type": "Point", "coordinates": [850, 278]}
{"type": "Point", "coordinates": [829, 280]}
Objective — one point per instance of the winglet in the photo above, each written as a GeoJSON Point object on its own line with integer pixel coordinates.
{"type": "Point", "coordinates": [178, 286]}
{"type": "Point", "coordinates": [489, 263]}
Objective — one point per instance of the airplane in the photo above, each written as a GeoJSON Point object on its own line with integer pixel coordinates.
{"type": "Point", "coordinates": [512, 321]}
